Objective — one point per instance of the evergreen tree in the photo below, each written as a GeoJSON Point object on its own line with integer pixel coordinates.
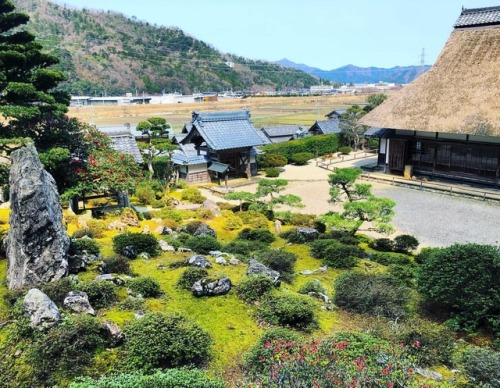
{"type": "Point", "coordinates": [28, 102]}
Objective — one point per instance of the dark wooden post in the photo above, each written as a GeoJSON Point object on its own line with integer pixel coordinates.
{"type": "Point", "coordinates": [248, 170]}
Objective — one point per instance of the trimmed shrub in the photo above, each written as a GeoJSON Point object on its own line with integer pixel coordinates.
{"type": "Point", "coordinates": [145, 193]}
{"type": "Point", "coordinates": [272, 172]}
{"type": "Point", "coordinates": [342, 256]}
{"type": "Point", "coordinates": [382, 244]}
{"type": "Point", "coordinates": [141, 242]}
{"type": "Point", "coordinates": [313, 286]}
{"type": "Point", "coordinates": [482, 366]}
{"type": "Point", "coordinates": [294, 237]}
{"type": "Point", "coordinates": [116, 264]}
{"type": "Point", "coordinates": [233, 222]}
{"type": "Point", "coordinates": [345, 150]}
{"type": "Point", "coordinates": [171, 378]}
{"type": "Point", "coordinates": [271, 160]}
{"type": "Point", "coordinates": [387, 258]}
{"type": "Point", "coordinates": [193, 195]}
{"type": "Point", "coordinates": [299, 219]}
{"type": "Point", "coordinates": [203, 244]}
{"type": "Point", "coordinates": [405, 274]}
{"type": "Point", "coordinates": [255, 219]}
{"type": "Point", "coordinates": [244, 247]}
{"type": "Point", "coordinates": [405, 243]}
{"type": "Point", "coordinates": [262, 349]}
{"type": "Point", "coordinates": [101, 293]}
{"type": "Point", "coordinates": [262, 235]}
{"type": "Point", "coordinates": [372, 294]}
{"type": "Point", "coordinates": [192, 227]}
{"type": "Point", "coordinates": [301, 158]}
{"type": "Point", "coordinates": [66, 349]}
{"type": "Point", "coordinates": [131, 304]}
{"type": "Point", "coordinates": [146, 286]}
{"type": "Point", "coordinates": [254, 287]}
{"type": "Point", "coordinates": [81, 245]}
{"type": "Point", "coordinates": [58, 290]}
{"type": "Point", "coordinates": [190, 276]}
{"type": "Point", "coordinates": [280, 261]}
{"type": "Point", "coordinates": [424, 254]}
{"type": "Point", "coordinates": [204, 214]}
{"type": "Point", "coordinates": [296, 311]}
{"type": "Point", "coordinates": [317, 145]}
{"type": "Point", "coordinates": [84, 232]}
{"type": "Point", "coordinates": [168, 214]}
{"type": "Point", "coordinates": [161, 340]}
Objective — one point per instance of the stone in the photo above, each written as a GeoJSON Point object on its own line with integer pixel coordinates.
{"type": "Point", "coordinates": [429, 374]}
{"type": "Point", "coordinates": [117, 225]}
{"type": "Point", "coordinates": [183, 249]}
{"type": "Point", "coordinates": [234, 261]}
{"type": "Point", "coordinates": [106, 276]}
{"type": "Point", "coordinates": [78, 302]}
{"type": "Point", "coordinates": [159, 230]}
{"type": "Point", "coordinates": [211, 205]}
{"type": "Point", "coordinates": [165, 246]}
{"type": "Point", "coordinates": [144, 256]}
{"type": "Point", "coordinates": [309, 234]}
{"type": "Point", "coordinates": [205, 287]}
{"type": "Point", "coordinates": [215, 253]}
{"type": "Point", "coordinates": [37, 243]}
{"type": "Point", "coordinates": [277, 226]}
{"type": "Point", "coordinates": [77, 263]}
{"type": "Point", "coordinates": [42, 311]}
{"type": "Point", "coordinates": [220, 260]}
{"type": "Point", "coordinates": [256, 268]}
{"type": "Point", "coordinates": [129, 218]}
{"type": "Point", "coordinates": [129, 252]}
{"type": "Point", "coordinates": [199, 261]}
{"type": "Point", "coordinates": [306, 272]}
{"type": "Point", "coordinates": [320, 296]}
{"type": "Point", "coordinates": [205, 230]}
{"type": "Point", "coordinates": [113, 332]}
{"type": "Point", "coordinates": [139, 314]}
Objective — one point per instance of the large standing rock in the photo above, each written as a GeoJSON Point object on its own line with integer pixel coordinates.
{"type": "Point", "coordinates": [256, 268]}
{"type": "Point", "coordinates": [42, 311]}
{"type": "Point", "coordinates": [78, 302]}
{"type": "Point", "coordinates": [37, 243]}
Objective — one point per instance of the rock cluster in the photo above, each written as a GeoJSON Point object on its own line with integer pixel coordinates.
{"type": "Point", "coordinates": [207, 287]}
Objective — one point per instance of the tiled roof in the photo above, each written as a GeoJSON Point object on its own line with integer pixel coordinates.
{"type": "Point", "coordinates": [336, 113]}
{"type": "Point", "coordinates": [281, 130]}
{"type": "Point", "coordinates": [378, 132]}
{"type": "Point", "coordinates": [224, 130]}
{"type": "Point", "coordinates": [182, 159]}
{"type": "Point", "coordinates": [478, 17]}
{"type": "Point", "coordinates": [326, 127]}
{"type": "Point", "coordinates": [124, 141]}
{"type": "Point", "coordinates": [219, 167]}
{"type": "Point", "coordinates": [263, 137]}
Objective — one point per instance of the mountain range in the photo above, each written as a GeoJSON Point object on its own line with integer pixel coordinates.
{"type": "Point", "coordinates": [355, 74]}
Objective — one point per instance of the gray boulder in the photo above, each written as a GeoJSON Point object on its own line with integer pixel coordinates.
{"type": "Point", "coordinates": [205, 287]}
{"type": "Point", "coordinates": [113, 332]}
{"type": "Point", "coordinates": [256, 268]}
{"type": "Point", "coordinates": [199, 261]}
{"type": "Point", "coordinates": [78, 302]}
{"type": "Point", "coordinates": [234, 261]}
{"type": "Point", "coordinates": [220, 260]}
{"type": "Point", "coordinates": [165, 246]}
{"type": "Point", "coordinates": [309, 234]}
{"type": "Point", "coordinates": [211, 205]}
{"type": "Point", "coordinates": [42, 311]}
{"type": "Point", "coordinates": [37, 243]}
{"type": "Point", "coordinates": [205, 230]}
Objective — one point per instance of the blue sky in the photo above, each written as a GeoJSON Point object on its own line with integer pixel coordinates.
{"type": "Point", "coordinates": [320, 33]}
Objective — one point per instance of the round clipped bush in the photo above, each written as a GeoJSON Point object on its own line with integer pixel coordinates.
{"type": "Point", "coordinates": [244, 247]}
{"type": "Point", "coordinates": [254, 287]}
{"type": "Point", "coordinates": [203, 244]}
{"type": "Point", "coordinates": [387, 258]}
{"type": "Point", "coordinates": [405, 243]}
{"type": "Point", "coordinates": [262, 235]}
{"type": "Point", "coordinates": [167, 340]}
{"type": "Point", "coordinates": [280, 261]}
{"type": "Point", "coordinates": [146, 286]}
{"type": "Point", "coordinates": [116, 264]}
{"type": "Point", "coordinates": [139, 241]}
{"type": "Point", "coordinates": [301, 158]}
{"type": "Point", "coordinates": [345, 150]}
{"type": "Point", "coordinates": [296, 311]}
{"type": "Point", "coordinates": [83, 232]}
{"type": "Point", "coordinates": [271, 160]}
{"type": "Point", "coordinates": [372, 294]}
{"type": "Point", "coordinates": [312, 286]}
{"type": "Point", "coordinates": [342, 256]}
{"type": "Point", "coordinates": [80, 245]}
{"type": "Point", "coordinates": [272, 172]}
{"type": "Point", "coordinates": [254, 218]}
{"type": "Point", "coordinates": [190, 276]}
{"type": "Point", "coordinates": [101, 293]}
{"type": "Point", "coordinates": [382, 244]}
{"type": "Point", "coordinates": [193, 195]}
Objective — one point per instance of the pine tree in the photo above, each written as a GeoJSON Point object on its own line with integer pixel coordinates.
{"type": "Point", "coordinates": [28, 102]}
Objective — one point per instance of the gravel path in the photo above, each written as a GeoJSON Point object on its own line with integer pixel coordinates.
{"type": "Point", "coordinates": [440, 220]}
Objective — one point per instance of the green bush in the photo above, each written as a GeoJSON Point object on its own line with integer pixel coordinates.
{"type": "Point", "coordinates": [58, 290]}
{"type": "Point", "coordinates": [98, 227]}
{"type": "Point", "coordinates": [161, 340]}
{"type": "Point", "coordinates": [168, 214]}
{"type": "Point", "coordinates": [203, 244]}
{"type": "Point", "coordinates": [317, 145]}
{"type": "Point", "coordinates": [382, 244]}
{"type": "Point", "coordinates": [146, 286]}
{"type": "Point", "coordinates": [296, 311]}
{"type": "Point", "coordinates": [193, 195]}
{"type": "Point", "coordinates": [244, 247]}
{"type": "Point", "coordinates": [482, 366]}
{"type": "Point", "coordinates": [424, 254]}
{"type": "Point", "coordinates": [65, 350]}
{"type": "Point", "coordinates": [405, 274]}
{"type": "Point", "coordinates": [78, 246]}
{"type": "Point", "coordinates": [141, 242]}
{"type": "Point", "coordinates": [262, 235]}
{"type": "Point", "coordinates": [405, 243]}
{"type": "Point", "coordinates": [83, 232]}
{"type": "Point", "coordinates": [255, 219]}
{"type": "Point", "coordinates": [293, 236]}
{"type": "Point", "coordinates": [463, 279]}
{"type": "Point", "coordinates": [190, 276]}
{"type": "Point", "coordinates": [233, 222]}
{"type": "Point", "coordinates": [387, 258]}
{"type": "Point", "coordinates": [171, 378]}
{"type": "Point", "coordinates": [301, 158]}
{"type": "Point", "coordinates": [271, 160]}
{"type": "Point", "coordinates": [342, 256]}
{"type": "Point", "coordinates": [345, 150]}
{"type": "Point", "coordinates": [312, 286]}
{"type": "Point", "coordinates": [204, 214]}
{"type": "Point", "coordinates": [372, 294]}
{"type": "Point", "coordinates": [272, 172]}
{"type": "Point", "coordinates": [145, 193]}
{"type": "Point", "coordinates": [254, 287]}
{"type": "Point", "coordinates": [116, 264]}
{"type": "Point", "coordinates": [280, 261]}
{"type": "Point", "coordinates": [101, 293]}
{"type": "Point", "coordinates": [299, 219]}
{"type": "Point", "coordinates": [262, 349]}
{"type": "Point", "coordinates": [131, 304]}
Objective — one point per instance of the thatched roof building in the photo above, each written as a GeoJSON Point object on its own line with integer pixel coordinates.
{"type": "Point", "coordinates": [461, 92]}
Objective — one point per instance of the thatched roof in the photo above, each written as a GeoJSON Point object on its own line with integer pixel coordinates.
{"type": "Point", "coordinates": [459, 94]}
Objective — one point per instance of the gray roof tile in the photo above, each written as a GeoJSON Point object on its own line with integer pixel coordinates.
{"type": "Point", "coordinates": [478, 17]}
{"type": "Point", "coordinates": [124, 141]}
{"type": "Point", "coordinates": [281, 130]}
{"type": "Point", "coordinates": [326, 127]}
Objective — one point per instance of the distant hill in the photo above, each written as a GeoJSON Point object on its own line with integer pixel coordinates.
{"type": "Point", "coordinates": [355, 74]}
{"type": "Point", "coordinates": [109, 53]}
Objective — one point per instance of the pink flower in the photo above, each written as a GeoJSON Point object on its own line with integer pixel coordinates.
{"type": "Point", "coordinates": [267, 344]}
{"type": "Point", "coordinates": [416, 343]}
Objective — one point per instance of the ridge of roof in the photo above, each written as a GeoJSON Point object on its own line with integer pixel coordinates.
{"type": "Point", "coordinates": [201, 117]}
{"type": "Point", "coordinates": [475, 17]}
